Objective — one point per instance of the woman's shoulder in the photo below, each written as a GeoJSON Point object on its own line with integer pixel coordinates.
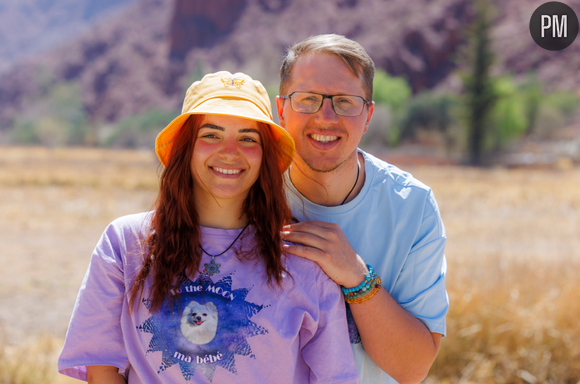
{"type": "Point", "coordinates": [305, 270]}
{"type": "Point", "coordinates": [136, 222]}
{"type": "Point", "coordinates": [127, 231]}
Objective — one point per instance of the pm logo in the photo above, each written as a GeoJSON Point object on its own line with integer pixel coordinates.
{"type": "Point", "coordinates": [554, 26]}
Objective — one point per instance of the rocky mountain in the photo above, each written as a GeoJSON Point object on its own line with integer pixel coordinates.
{"type": "Point", "coordinates": [28, 27]}
{"type": "Point", "coordinates": [143, 56]}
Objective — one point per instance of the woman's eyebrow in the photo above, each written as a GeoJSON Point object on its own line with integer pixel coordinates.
{"type": "Point", "coordinates": [243, 130]}
{"type": "Point", "coordinates": [246, 130]}
{"type": "Point", "coordinates": [213, 126]}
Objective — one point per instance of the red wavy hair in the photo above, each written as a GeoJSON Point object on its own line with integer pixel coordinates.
{"type": "Point", "coordinates": [173, 242]}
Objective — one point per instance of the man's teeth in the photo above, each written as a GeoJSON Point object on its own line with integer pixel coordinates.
{"type": "Point", "coordinates": [228, 171]}
{"type": "Point", "coordinates": [324, 139]}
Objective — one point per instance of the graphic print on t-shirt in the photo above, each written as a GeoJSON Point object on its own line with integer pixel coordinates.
{"type": "Point", "coordinates": [204, 328]}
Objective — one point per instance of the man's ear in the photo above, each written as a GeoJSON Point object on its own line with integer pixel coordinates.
{"type": "Point", "coordinates": [370, 114]}
{"type": "Point", "coordinates": [280, 109]}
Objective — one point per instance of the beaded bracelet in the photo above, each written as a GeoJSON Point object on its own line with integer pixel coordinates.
{"type": "Point", "coordinates": [366, 283]}
{"type": "Point", "coordinates": [368, 295]}
{"type": "Point", "coordinates": [365, 290]}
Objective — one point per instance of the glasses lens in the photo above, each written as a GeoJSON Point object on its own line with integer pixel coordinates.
{"type": "Point", "coordinates": [345, 105]}
{"type": "Point", "coordinates": [306, 102]}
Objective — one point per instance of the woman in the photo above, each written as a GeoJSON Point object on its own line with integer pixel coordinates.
{"type": "Point", "coordinates": [199, 290]}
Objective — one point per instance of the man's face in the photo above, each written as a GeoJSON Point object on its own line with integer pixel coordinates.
{"type": "Point", "coordinates": [323, 139]}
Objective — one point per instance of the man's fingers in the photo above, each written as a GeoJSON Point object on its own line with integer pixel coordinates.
{"type": "Point", "coordinates": [306, 238]}
{"type": "Point", "coordinates": [307, 223]}
{"type": "Point", "coordinates": [303, 251]}
{"type": "Point", "coordinates": [318, 228]}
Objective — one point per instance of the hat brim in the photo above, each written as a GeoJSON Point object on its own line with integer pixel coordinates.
{"type": "Point", "coordinates": [228, 107]}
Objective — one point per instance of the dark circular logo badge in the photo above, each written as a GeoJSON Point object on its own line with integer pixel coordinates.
{"type": "Point", "coordinates": [554, 26]}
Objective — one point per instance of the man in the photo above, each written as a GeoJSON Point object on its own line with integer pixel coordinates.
{"type": "Point", "coordinates": [355, 209]}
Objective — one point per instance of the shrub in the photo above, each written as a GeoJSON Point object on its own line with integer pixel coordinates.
{"type": "Point", "coordinates": [56, 119]}
{"type": "Point", "coordinates": [139, 131]}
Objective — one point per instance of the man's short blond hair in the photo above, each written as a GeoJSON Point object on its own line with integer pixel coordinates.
{"type": "Point", "coordinates": [353, 54]}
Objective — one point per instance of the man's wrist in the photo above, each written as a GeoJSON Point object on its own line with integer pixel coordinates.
{"type": "Point", "coordinates": [365, 290]}
{"type": "Point", "coordinates": [357, 275]}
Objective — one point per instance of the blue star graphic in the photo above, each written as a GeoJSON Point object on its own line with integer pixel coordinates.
{"type": "Point", "coordinates": [233, 328]}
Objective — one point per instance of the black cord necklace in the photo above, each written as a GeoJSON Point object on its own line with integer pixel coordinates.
{"type": "Point", "coordinates": [352, 189]}
{"type": "Point", "coordinates": [213, 268]}
{"type": "Point", "coordinates": [356, 181]}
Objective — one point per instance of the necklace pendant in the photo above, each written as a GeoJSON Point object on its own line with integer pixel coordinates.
{"type": "Point", "coordinates": [212, 268]}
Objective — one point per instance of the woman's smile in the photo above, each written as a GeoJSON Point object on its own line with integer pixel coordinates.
{"type": "Point", "coordinates": [226, 171]}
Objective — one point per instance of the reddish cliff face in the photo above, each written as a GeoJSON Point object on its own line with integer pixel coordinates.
{"type": "Point", "coordinates": [201, 23]}
{"type": "Point", "coordinates": [141, 58]}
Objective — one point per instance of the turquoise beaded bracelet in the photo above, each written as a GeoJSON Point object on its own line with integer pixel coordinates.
{"type": "Point", "coordinates": [367, 284]}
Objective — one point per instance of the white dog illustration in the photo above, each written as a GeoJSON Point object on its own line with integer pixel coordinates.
{"type": "Point", "coordinates": [199, 322]}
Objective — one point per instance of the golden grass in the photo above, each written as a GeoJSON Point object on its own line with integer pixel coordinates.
{"type": "Point", "coordinates": [32, 362]}
{"type": "Point", "coordinates": [78, 167]}
{"type": "Point", "coordinates": [513, 275]}
{"type": "Point", "coordinates": [513, 259]}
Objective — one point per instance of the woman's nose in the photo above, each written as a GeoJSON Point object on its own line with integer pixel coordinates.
{"type": "Point", "coordinates": [229, 148]}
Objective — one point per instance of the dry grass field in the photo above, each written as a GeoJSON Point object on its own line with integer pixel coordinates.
{"type": "Point", "coordinates": [513, 260]}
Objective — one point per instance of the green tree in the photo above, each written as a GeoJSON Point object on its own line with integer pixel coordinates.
{"type": "Point", "coordinates": [509, 118]}
{"type": "Point", "coordinates": [430, 111]}
{"type": "Point", "coordinates": [531, 90]}
{"type": "Point", "coordinates": [393, 93]}
{"type": "Point", "coordinates": [480, 92]}
{"type": "Point", "coordinates": [390, 90]}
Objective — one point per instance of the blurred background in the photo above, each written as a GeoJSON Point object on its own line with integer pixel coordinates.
{"type": "Point", "coordinates": [465, 100]}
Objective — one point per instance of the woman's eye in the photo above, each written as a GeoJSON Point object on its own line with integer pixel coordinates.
{"type": "Point", "coordinates": [249, 140]}
{"type": "Point", "coordinates": [209, 136]}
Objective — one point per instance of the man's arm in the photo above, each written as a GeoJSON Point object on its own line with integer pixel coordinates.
{"type": "Point", "coordinates": [395, 340]}
{"type": "Point", "coordinates": [402, 345]}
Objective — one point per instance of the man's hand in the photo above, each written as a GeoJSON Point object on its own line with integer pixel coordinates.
{"type": "Point", "coordinates": [325, 244]}
{"type": "Point", "coordinates": [402, 346]}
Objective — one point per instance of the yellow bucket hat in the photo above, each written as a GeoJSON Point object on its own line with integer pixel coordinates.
{"type": "Point", "coordinates": [222, 93]}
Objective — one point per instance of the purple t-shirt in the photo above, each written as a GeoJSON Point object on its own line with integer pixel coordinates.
{"type": "Point", "coordinates": [230, 327]}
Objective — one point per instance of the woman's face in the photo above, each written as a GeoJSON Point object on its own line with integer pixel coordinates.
{"type": "Point", "coordinates": [226, 158]}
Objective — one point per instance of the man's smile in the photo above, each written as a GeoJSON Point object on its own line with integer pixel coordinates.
{"type": "Point", "coordinates": [323, 138]}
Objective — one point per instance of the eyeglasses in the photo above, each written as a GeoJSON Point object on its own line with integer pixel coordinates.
{"type": "Point", "coordinates": [342, 105]}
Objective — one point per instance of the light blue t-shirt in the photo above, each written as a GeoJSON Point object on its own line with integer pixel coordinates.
{"type": "Point", "coordinates": [394, 224]}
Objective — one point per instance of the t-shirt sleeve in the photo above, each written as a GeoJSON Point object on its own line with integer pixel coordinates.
{"type": "Point", "coordinates": [325, 345]}
{"type": "Point", "coordinates": [420, 288]}
{"type": "Point", "coordinates": [94, 336]}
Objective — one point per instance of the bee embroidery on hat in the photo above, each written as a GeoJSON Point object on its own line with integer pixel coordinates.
{"type": "Point", "coordinates": [232, 81]}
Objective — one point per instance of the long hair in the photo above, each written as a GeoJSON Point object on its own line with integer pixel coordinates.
{"type": "Point", "coordinates": [173, 242]}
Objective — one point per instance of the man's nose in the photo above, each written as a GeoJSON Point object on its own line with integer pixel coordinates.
{"type": "Point", "coordinates": [326, 113]}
